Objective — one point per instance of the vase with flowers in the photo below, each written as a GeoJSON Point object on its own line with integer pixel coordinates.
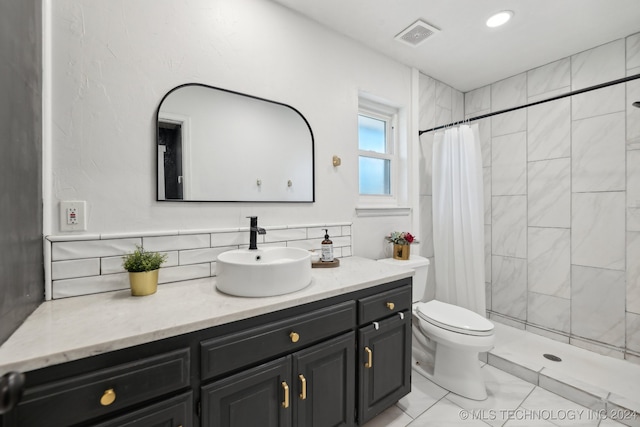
{"type": "Point", "coordinates": [401, 244]}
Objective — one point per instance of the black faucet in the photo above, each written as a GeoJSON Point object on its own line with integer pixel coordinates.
{"type": "Point", "coordinates": [254, 230]}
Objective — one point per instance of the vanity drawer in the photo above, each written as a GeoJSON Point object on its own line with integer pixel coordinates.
{"type": "Point", "coordinates": [381, 305]}
{"type": "Point", "coordinates": [237, 350]}
{"type": "Point", "coordinates": [91, 395]}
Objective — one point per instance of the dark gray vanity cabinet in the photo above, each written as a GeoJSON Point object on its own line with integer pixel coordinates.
{"type": "Point", "coordinates": [384, 340]}
{"type": "Point", "coordinates": [314, 387]}
{"type": "Point", "coordinates": [333, 362]}
{"type": "Point", "coordinates": [311, 382]}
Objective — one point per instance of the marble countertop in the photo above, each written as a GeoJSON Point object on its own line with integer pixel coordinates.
{"type": "Point", "coordinates": [69, 329]}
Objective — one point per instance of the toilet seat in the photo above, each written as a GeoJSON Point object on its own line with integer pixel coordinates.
{"type": "Point", "coordinates": [454, 318]}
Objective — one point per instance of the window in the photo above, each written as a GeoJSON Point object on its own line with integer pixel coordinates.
{"type": "Point", "coordinates": [376, 145]}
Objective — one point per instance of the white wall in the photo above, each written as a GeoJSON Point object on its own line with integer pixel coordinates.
{"type": "Point", "coordinates": [113, 60]}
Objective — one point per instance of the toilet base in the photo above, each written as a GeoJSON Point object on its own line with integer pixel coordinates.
{"type": "Point", "coordinates": [459, 372]}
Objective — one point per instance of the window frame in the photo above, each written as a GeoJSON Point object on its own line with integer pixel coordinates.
{"type": "Point", "coordinates": [389, 115]}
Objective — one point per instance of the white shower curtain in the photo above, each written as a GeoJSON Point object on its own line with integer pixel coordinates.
{"type": "Point", "coordinates": [458, 218]}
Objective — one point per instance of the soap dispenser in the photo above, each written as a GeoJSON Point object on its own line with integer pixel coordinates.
{"type": "Point", "coordinates": [327, 247]}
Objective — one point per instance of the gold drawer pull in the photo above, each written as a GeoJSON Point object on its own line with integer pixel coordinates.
{"type": "Point", "coordinates": [369, 363]}
{"type": "Point", "coordinates": [285, 388]}
{"type": "Point", "coordinates": [303, 387]}
{"type": "Point", "coordinates": [108, 397]}
{"type": "Point", "coordinates": [294, 337]}
{"type": "Point", "coordinates": [391, 305]}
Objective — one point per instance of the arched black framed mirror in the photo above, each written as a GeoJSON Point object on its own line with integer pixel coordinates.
{"type": "Point", "coordinates": [219, 145]}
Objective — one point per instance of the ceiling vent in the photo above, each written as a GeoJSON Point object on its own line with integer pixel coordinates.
{"type": "Point", "coordinates": [416, 33]}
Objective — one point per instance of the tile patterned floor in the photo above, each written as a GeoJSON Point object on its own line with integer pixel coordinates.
{"type": "Point", "coordinates": [514, 401]}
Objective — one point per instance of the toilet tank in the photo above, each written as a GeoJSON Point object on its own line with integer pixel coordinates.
{"type": "Point", "coordinates": [421, 267]}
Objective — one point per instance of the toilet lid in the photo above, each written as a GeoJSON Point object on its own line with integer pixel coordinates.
{"type": "Point", "coordinates": [454, 318]}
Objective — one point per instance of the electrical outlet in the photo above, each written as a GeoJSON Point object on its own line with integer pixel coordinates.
{"type": "Point", "coordinates": [72, 216]}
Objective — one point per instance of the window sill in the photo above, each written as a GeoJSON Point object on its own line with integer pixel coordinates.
{"type": "Point", "coordinates": [372, 211]}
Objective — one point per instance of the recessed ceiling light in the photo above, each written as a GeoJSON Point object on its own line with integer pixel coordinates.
{"type": "Point", "coordinates": [499, 18]}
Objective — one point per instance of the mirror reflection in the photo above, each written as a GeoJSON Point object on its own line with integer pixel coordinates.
{"type": "Point", "coordinates": [218, 145]}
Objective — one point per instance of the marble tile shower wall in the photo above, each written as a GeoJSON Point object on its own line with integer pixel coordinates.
{"type": "Point", "coordinates": [88, 264]}
{"type": "Point", "coordinates": [562, 200]}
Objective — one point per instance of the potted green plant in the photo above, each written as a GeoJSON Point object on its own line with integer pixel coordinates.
{"type": "Point", "coordinates": [143, 267]}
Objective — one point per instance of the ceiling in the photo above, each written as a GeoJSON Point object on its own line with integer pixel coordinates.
{"type": "Point", "coordinates": [466, 54]}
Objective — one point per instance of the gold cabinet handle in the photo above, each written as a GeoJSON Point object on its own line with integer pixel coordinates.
{"type": "Point", "coordinates": [303, 387]}
{"type": "Point", "coordinates": [108, 397]}
{"type": "Point", "coordinates": [285, 388]}
{"type": "Point", "coordinates": [391, 305]}
{"type": "Point", "coordinates": [369, 363]}
{"type": "Point", "coordinates": [294, 337]}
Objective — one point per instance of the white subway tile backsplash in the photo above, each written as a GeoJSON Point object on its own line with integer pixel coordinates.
{"type": "Point", "coordinates": [91, 265]}
{"type": "Point", "coordinates": [89, 285]}
{"type": "Point", "coordinates": [232, 238]}
{"type": "Point", "coordinates": [166, 243]}
{"type": "Point", "coordinates": [92, 248]}
{"type": "Point", "coordinates": [199, 256]}
{"type": "Point", "coordinates": [111, 265]}
{"type": "Point", "coordinates": [75, 268]}
{"type": "Point", "coordinates": [184, 272]}
{"type": "Point", "coordinates": [281, 235]}
{"type": "Point", "coordinates": [318, 232]}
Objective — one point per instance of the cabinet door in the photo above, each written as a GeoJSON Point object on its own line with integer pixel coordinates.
{"type": "Point", "coordinates": [258, 397]}
{"type": "Point", "coordinates": [174, 412]}
{"type": "Point", "coordinates": [384, 364]}
{"type": "Point", "coordinates": [324, 383]}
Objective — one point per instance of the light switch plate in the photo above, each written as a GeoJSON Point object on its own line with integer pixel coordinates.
{"type": "Point", "coordinates": [73, 216]}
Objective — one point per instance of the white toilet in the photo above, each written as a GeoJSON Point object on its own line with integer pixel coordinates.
{"type": "Point", "coordinates": [454, 334]}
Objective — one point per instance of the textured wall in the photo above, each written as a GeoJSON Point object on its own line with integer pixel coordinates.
{"type": "Point", "coordinates": [21, 263]}
{"type": "Point", "coordinates": [115, 59]}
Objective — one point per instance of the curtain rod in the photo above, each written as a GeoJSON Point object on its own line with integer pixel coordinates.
{"type": "Point", "coordinates": [575, 92]}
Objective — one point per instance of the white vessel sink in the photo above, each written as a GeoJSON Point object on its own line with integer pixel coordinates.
{"type": "Point", "coordinates": [263, 272]}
